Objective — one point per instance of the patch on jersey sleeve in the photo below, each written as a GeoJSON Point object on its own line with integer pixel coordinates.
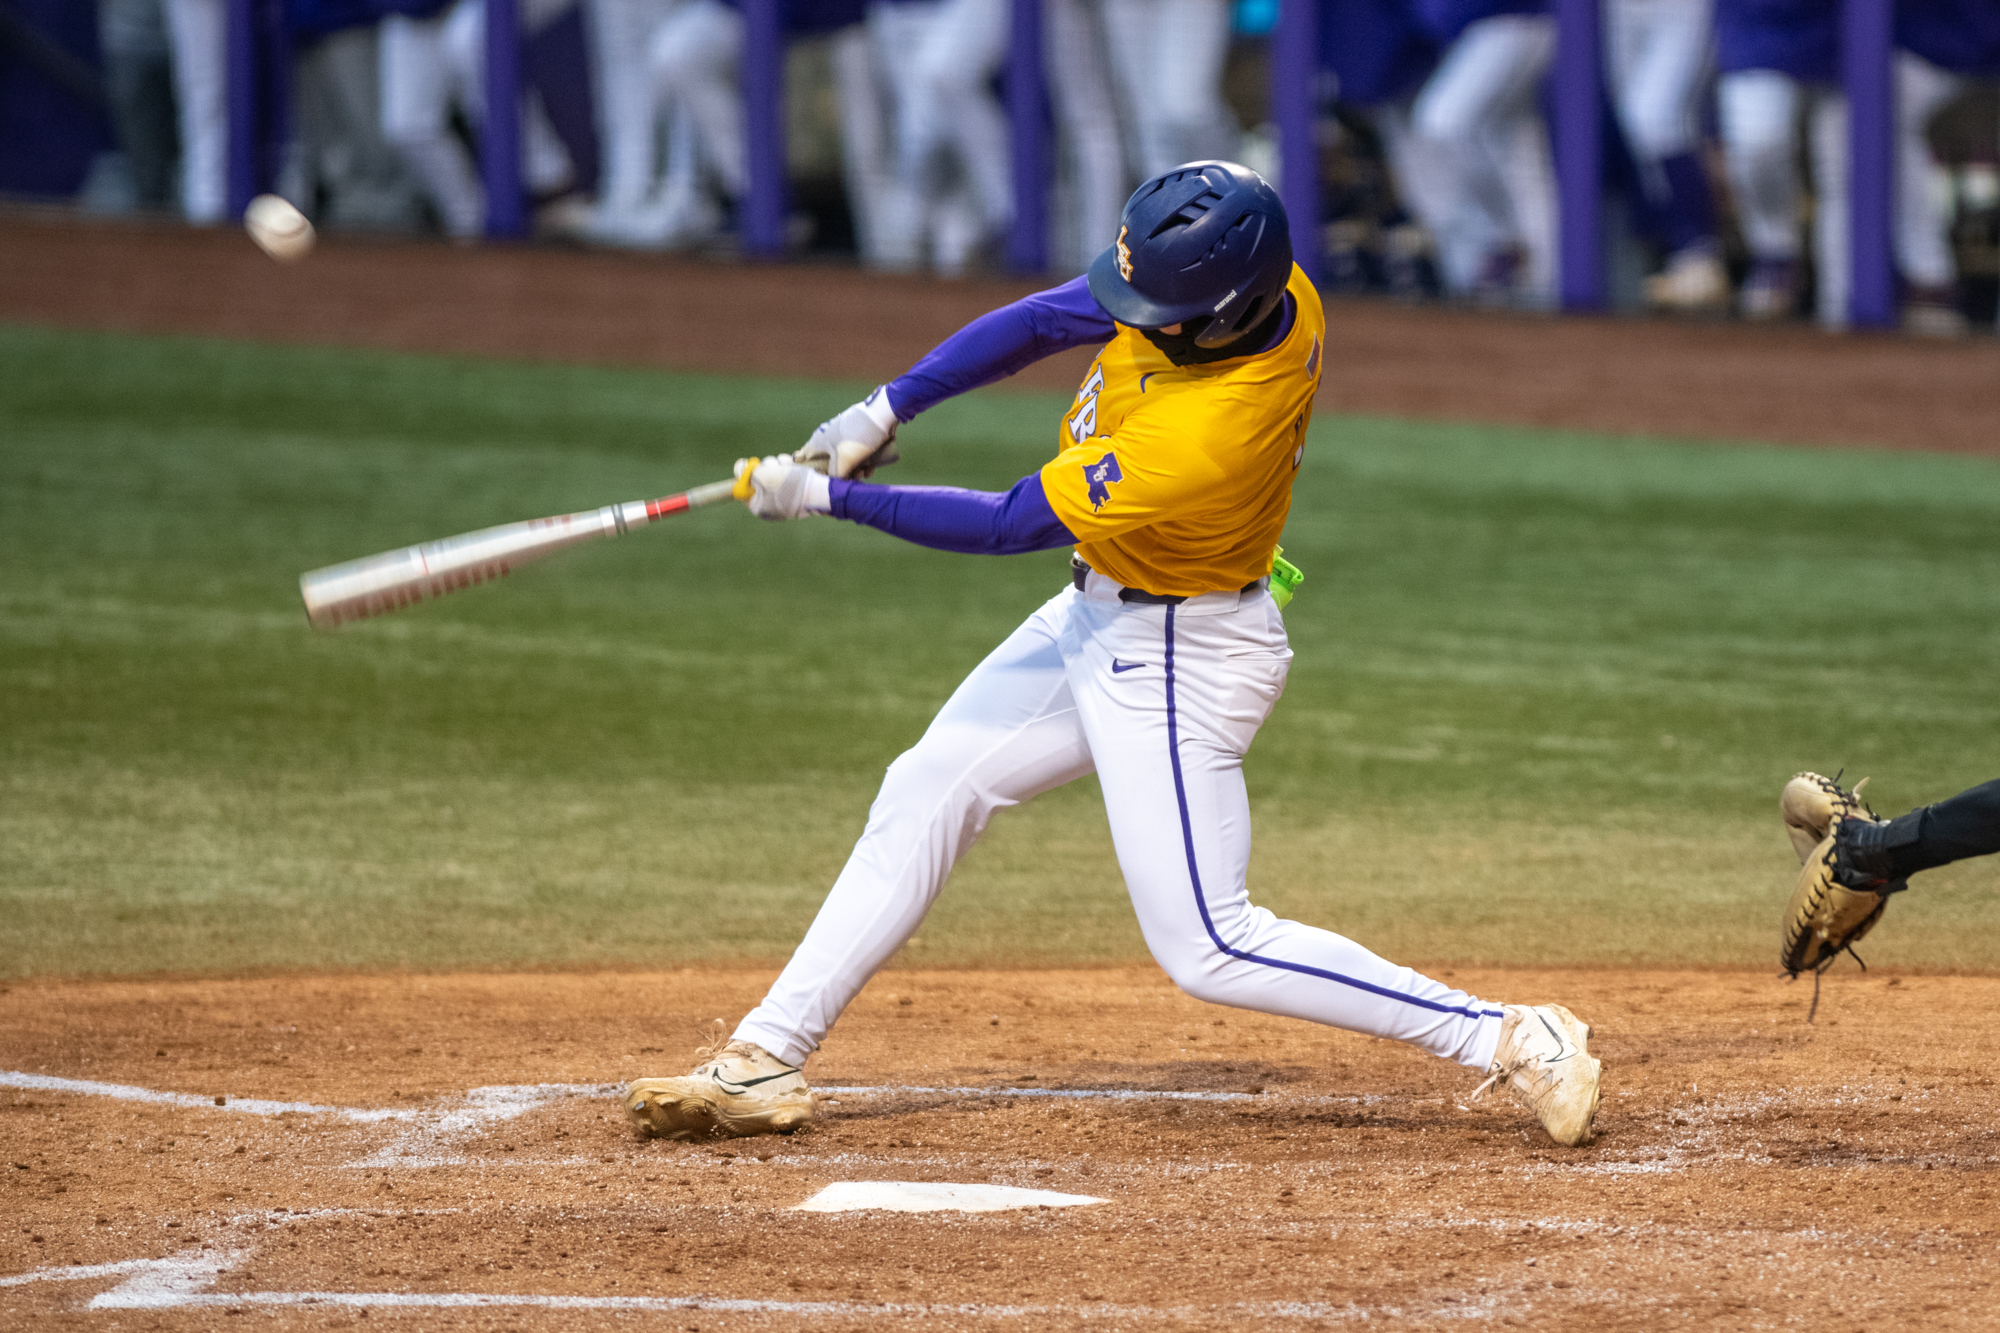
{"type": "Point", "coordinates": [1101, 476]}
{"type": "Point", "coordinates": [1312, 362]}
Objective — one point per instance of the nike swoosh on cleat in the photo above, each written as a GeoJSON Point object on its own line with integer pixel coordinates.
{"type": "Point", "coordinates": [744, 1087]}
{"type": "Point", "coordinates": [1563, 1048]}
{"type": "Point", "coordinates": [1119, 668]}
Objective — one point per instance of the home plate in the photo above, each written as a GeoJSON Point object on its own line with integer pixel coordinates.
{"type": "Point", "coordinates": [914, 1196]}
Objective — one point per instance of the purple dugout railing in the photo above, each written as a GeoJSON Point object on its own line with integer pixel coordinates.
{"type": "Point", "coordinates": [500, 136]}
{"type": "Point", "coordinates": [1578, 133]}
{"type": "Point", "coordinates": [1032, 163]}
{"type": "Point", "coordinates": [1295, 108]}
{"type": "Point", "coordinates": [1871, 164]}
{"type": "Point", "coordinates": [259, 98]}
{"type": "Point", "coordinates": [764, 128]}
{"type": "Point", "coordinates": [241, 39]}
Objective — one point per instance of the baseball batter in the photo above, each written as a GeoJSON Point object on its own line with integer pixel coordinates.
{"type": "Point", "coordinates": [1171, 480]}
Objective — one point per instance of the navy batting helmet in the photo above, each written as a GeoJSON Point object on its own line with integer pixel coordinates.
{"type": "Point", "coordinates": [1206, 242]}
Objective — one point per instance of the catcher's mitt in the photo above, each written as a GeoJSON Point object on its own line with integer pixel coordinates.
{"type": "Point", "coordinates": [1826, 916]}
{"type": "Point", "coordinates": [1810, 804]}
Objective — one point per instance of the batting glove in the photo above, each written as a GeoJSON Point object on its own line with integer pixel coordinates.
{"type": "Point", "coordinates": [780, 488]}
{"type": "Point", "coordinates": [856, 442]}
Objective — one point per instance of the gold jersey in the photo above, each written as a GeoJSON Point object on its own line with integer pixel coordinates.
{"type": "Point", "coordinates": [1177, 479]}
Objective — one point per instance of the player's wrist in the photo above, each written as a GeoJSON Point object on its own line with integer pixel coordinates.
{"type": "Point", "coordinates": [881, 410]}
{"type": "Point", "coordinates": [818, 493]}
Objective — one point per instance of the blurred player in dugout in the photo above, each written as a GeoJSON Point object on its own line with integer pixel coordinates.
{"type": "Point", "coordinates": [1780, 62]}
{"type": "Point", "coordinates": [1136, 86]}
{"type": "Point", "coordinates": [1454, 86]}
{"type": "Point", "coordinates": [1455, 90]}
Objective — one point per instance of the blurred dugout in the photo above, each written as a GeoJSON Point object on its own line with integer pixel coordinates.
{"type": "Point", "coordinates": [1432, 114]}
{"type": "Point", "coordinates": [924, 134]}
{"type": "Point", "coordinates": [1451, 93]}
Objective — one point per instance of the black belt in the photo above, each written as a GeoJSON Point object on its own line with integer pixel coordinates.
{"type": "Point", "coordinates": [1078, 572]}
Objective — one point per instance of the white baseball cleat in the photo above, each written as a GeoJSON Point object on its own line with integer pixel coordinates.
{"type": "Point", "coordinates": [1545, 1061]}
{"type": "Point", "coordinates": [737, 1090]}
{"type": "Point", "coordinates": [1693, 281]}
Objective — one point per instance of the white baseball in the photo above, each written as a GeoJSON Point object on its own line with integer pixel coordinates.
{"type": "Point", "coordinates": [280, 230]}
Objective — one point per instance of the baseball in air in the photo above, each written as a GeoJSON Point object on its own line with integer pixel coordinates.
{"type": "Point", "coordinates": [279, 229]}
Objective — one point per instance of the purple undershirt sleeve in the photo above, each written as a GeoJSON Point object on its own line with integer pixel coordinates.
{"type": "Point", "coordinates": [945, 518]}
{"type": "Point", "coordinates": [1001, 342]}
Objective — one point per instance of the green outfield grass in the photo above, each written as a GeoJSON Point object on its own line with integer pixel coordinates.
{"type": "Point", "coordinates": [1547, 685]}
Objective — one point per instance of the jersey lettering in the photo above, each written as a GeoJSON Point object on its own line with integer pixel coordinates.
{"type": "Point", "coordinates": [1100, 476]}
{"type": "Point", "coordinates": [1083, 423]}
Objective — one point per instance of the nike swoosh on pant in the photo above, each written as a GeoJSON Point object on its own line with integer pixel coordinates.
{"type": "Point", "coordinates": [1119, 668]}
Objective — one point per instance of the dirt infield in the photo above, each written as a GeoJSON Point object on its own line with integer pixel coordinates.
{"type": "Point", "coordinates": [1653, 377]}
{"type": "Point", "coordinates": [1751, 1171]}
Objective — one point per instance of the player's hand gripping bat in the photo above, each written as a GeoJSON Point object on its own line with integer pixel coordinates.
{"type": "Point", "coordinates": [381, 583]}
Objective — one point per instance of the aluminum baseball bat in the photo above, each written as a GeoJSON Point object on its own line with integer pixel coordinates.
{"type": "Point", "coordinates": [378, 584]}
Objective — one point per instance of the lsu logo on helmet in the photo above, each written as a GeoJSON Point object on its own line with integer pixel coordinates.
{"type": "Point", "coordinates": [1101, 476]}
{"type": "Point", "coordinates": [1124, 257]}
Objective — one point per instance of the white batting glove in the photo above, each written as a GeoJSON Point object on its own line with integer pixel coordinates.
{"type": "Point", "coordinates": [856, 442]}
{"type": "Point", "coordinates": [780, 488]}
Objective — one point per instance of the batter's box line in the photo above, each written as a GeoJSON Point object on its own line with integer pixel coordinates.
{"type": "Point", "coordinates": [12, 1078]}
{"type": "Point", "coordinates": [1105, 1094]}
{"type": "Point", "coordinates": [718, 1305]}
{"type": "Point", "coordinates": [180, 1282]}
{"type": "Point", "coordinates": [433, 1134]}
{"type": "Point", "coordinates": [505, 1101]}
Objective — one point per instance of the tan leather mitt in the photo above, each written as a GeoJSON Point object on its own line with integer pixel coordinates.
{"type": "Point", "coordinates": [1810, 804]}
{"type": "Point", "coordinates": [1824, 917]}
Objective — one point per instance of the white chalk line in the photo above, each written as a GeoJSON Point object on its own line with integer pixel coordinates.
{"type": "Point", "coordinates": [77, 1272]}
{"type": "Point", "coordinates": [429, 1145]}
{"type": "Point", "coordinates": [507, 1101]}
{"type": "Point", "coordinates": [181, 1282]}
{"type": "Point", "coordinates": [434, 1134]}
{"type": "Point", "coordinates": [1105, 1094]}
{"type": "Point", "coordinates": [717, 1305]}
{"type": "Point", "coordinates": [10, 1078]}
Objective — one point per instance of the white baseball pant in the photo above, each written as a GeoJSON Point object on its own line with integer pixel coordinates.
{"type": "Point", "coordinates": [1656, 53]}
{"type": "Point", "coordinates": [1759, 114]}
{"type": "Point", "coordinates": [1087, 120]}
{"type": "Point", "coordinates": [200, 35]}
{"type": "Point", "coordinates": [1168, 57]}
{"type": "Point", "coordinates": [1079, 84]}
{"type": "Point", "coordinates": [1430, 180]}
{"type": "Point", "coordinates": [628, 111]}
{"type": "Point", "coordinates": [427, 65]}
{"type": "Point", "coordinates": [953, 192]}
{"type": "Point", "coordinates": [695, 59]}
{"type": "Point", "coordinates": [1480, 112]}
{"type": "Point", "coordinates": [1161, 703]}
{"type": "Point", "coordinates": [866, 147]}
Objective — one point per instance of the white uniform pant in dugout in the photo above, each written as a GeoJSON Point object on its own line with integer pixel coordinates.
{"type": "Point", "coordinates": [1161, 702]}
